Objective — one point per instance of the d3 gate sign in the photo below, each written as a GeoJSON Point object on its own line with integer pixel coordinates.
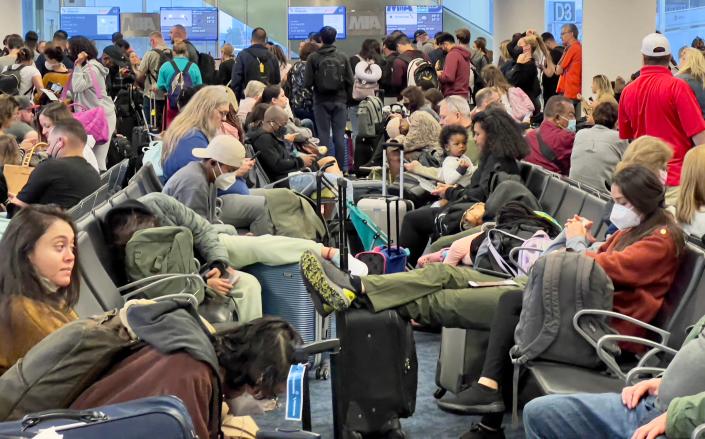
{"type": "Point", "coordinates": [564, 12]}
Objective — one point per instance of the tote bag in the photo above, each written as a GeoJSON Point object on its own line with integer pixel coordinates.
{"type": "Point", "coordinates": [94, 120]}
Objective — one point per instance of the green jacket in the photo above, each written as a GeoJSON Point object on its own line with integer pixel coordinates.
{"type": "Point", "coordinates": [170, 212]}
{"type": "Point", "coordinates": [293, 216]}
{"type": "Point", "coordinates": [687, 412]}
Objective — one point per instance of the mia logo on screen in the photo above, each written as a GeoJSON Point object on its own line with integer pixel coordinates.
{"type": "Point", "coordinates": [364, 23]}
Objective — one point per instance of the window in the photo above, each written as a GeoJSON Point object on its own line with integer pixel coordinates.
{"type": "Point", "coordinates": [681, 21]}
{"type": "Point", "coordinates": [559, 13]}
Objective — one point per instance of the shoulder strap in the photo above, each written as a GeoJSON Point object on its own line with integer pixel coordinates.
{"type": "Point", "coordinates": [546, 150]}
{"type": "Point", "coordinates": [175, 66]}
{"type": "Point", "coordinates": [188, 66]}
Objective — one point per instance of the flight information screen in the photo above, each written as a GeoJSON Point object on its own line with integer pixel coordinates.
{"type": "Point", "coordinates": [304, 20]}
{"type": "Point", "coordinates": [94, 23]}
{"type": "Point", "coordinates": [201, 23]}
{"type": "Point", "coordinates": [409, 19]}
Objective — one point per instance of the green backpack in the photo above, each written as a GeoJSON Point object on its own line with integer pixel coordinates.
{"type": "Point", "coordinates": [162, 250]}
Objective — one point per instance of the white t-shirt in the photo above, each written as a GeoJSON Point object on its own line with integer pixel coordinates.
{"type": "Point", "coordinates": [26, 75]}
{"type": "Point", "coordinates": [88, 153]}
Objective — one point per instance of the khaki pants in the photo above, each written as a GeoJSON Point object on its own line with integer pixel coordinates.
{"type": "Point", "coordinates": [438, 295]}
{"type": "Point", "coordinates": [248, 297]}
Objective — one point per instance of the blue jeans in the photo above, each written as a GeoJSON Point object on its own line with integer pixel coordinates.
{"type": "Point", "coordinates": [332, 116]}
{"type": "Point", "coordinates": [586, 416]}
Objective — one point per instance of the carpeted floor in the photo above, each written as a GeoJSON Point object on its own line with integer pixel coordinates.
{"type": "Point", "coordinates": [428, 421]}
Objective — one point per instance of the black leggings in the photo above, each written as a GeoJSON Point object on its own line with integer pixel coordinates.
{"type": "Point", "coordinates": [416, 231]}
{"type": "Point", "coordinates": [504, 322]}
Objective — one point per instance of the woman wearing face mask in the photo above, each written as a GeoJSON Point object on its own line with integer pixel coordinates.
{"type": "Point", "coordinates": [641, 259]}
{"type": "Point", "coordinates": [525, 73]}
{"type": "Point", "coordinates": [39, 282]}
{"type": "Point", "coordinates": [57, 76]}
{"type": "Point", "coordinates": [197, 123]}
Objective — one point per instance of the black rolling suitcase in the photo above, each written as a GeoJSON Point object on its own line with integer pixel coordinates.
{"type": "Point", "coordinates": [374, 375]}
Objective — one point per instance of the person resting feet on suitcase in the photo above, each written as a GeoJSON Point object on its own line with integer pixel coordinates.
{"type": "Point", "coordinates": [39, 279]}
{"type": "Point", "coordinates": [222, 252]}
{"type": "Point", "coordinates": [253, 358]}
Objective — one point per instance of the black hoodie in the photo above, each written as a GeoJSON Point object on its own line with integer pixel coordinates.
{"type": "Point", "coordinates": [247, 62]}
{"type": "Point", "coordinates": [276, 160]}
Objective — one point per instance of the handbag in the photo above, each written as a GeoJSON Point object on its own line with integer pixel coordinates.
{"type": "Point", "coordinates": [17, 176]}
{"type": "Point", "coordinates": [94, 120]}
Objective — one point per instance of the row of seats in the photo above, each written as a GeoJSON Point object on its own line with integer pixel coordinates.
{"type": "Point", "coordinates": [684, 303]}
{"type": "Point", "coordinates": [99, 283]}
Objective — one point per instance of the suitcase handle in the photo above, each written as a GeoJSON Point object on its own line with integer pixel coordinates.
{"type": "Point", "coordinates": [87, 416]}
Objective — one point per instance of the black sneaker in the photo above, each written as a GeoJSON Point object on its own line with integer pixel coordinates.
{"type": "Point", "coordinates": [477, 431]}
{"type": "Point", "coordinates": [329, 287]}
{"type": "Point", "coordinates": [477, 400]}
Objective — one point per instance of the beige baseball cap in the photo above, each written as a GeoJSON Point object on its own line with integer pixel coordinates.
{"type": "Point", "coordinates": [223, 149]}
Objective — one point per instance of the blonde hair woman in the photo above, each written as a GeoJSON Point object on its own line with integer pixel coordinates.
{"type": "Point", "coordinates": [603, 91]}
{"type": "Point", "coordinates": [690, 208]}
{"type": "Point", "coordinates": [650, 152]}
{"type": "Point", "coordinates": [196, 124]}
{"type": "Point", "coordinates": [515, 101]}
{"type": "Point", "coordinates": [692, 71]}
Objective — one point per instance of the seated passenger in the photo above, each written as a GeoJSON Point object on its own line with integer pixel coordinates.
{"type": "Point", "coordinates": [297, 130]}
{"type": "Point", "coordinates": [22, 127]}
{"type": "Point", "coordinates": [253, 93]}
{"type": "Point", "coordinates": [66, 178]}
{"type": "Point", "coordinates": [671, 405]}
{"type": "Point", "coordinates": [498, 137]}
{"type": "Point", "coordinates": [9, 155]}
{"type": "Point", "coordinates": [413, 99]}
{"type": "Point", "coordinates": [552, 143]}
{"type": "Point", "coordinates": [54, 112]}
{"type": "Point", "coordinates": [196, 124]}
{"type": "Point", "coordinates": [690, 210]}
{"type": "Point", "coordinates": [422, 137]}
{"type": "Point", "coordinates": [641, 260]}
{"type": "Point", "coordinates": [39, 281]}
{"type": "Point", "coordinates": [454, 139]}
{"type": "Point", "coordinates": [597, 150]}
{"type": "Point", "coordinates": [650, 152]}
{"type": "Point", "coordinates": [222, 163]}
{"type": "Point", "coordinates": [254, 359]}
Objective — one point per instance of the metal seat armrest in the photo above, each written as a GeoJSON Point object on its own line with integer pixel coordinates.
{"type": "Point", "coordinates": [610, 361]}
{"type": "Point", "coordinates": [665, 335]}
{"type": "Point", "coordinates": [195, 281]}
{"type": "Point", "coordinates": [699, 432]}
{"type": "Point", "coordinates": [636, 372]}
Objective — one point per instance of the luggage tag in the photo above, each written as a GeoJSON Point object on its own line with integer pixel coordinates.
{"type": "Point", "coordinates": [295, 392]}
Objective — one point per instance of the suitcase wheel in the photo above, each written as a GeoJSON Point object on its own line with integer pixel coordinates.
{"type": "Point", "coordinates": [322, 373]}
{"type": "Point", "coordinates": [439, 393]}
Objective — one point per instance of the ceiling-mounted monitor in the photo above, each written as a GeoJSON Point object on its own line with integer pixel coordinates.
{"type": "Point", "coordinates": [92, 22]}
{"type": "Point", "coordinates": [306, 19]}
{"type": "Point", "coordinates": [201, 23]}
{"type": "Point", "coordinates": [409, 19]}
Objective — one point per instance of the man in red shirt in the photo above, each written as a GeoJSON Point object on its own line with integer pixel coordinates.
{"type": "Point", "coordinates": [552, 144]}
{"type": "Point", "coordinates": [570, 67]}
{"type": "Point", "coordinates": [455, 75]}
{"type": "Point", "coordinates": [660, 105]}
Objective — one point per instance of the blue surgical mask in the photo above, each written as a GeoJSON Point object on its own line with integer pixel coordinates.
{"type": "Point", "coordinates": [623, 217]}
{"type": "Point", "coordinates": [572, 124]}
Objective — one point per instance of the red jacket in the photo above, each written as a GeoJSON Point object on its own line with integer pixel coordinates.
{"type": "Point", "coordinates": [455, 78]}
{"type": "Point", "coordinates": [560, 141]}
{"type": "Point", "coordinates": [642, 274]}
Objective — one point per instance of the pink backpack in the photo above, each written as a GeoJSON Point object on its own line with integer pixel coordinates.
{"type": "Point", "coordinates": [530, 251]}
{"type": "Point", "coordinates": [521, 103]}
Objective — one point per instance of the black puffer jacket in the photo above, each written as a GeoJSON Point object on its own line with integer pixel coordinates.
{"type": "Point", "coordinates": [276, 160]}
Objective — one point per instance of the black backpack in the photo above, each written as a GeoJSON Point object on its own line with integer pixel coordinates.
{"type": "Point", "coordinates": [165, 56]}
{"type": "Point", "coordinates": [330, 74]}
{"type": "Point", "coordinates": [10, 81]}
{"type": "Point", "coordinates": [259, 69]}
{"type": "Point", "coordinates": [206, 64]}
{"type": "Point", "coordinates": [300, 96]}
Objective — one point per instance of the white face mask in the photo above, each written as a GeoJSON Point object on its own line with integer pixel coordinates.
{"type": "Point", "coordinates": [50, 66]}
{"type": "Point", "coordinates": [225, 180]}
{"type": "Point", "coordinates": [623, 217]}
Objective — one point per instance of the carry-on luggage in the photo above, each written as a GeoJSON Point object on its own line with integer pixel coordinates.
{"type": "Point", "coordinates": [370, 396]}
{"type": "Point", "coordinates": [162, 416]}
{"type": "Point", "coordinates": [460, 359]}
{"type": "Point", "coordinates": [284, 294]}
{"type": "Point", "coordinates": [377, 207]}
{"type": "Point", "coordinates": [374, 374]}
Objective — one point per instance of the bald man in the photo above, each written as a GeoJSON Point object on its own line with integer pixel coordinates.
{"type": "Point", "coordinates": [269, 142]}
{"type": "Point", "coordinates": [178, 34]}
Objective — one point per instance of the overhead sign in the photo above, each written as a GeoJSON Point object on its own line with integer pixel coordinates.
{"type": "Point", "coordinates": [564, 12]}
{"type": "Point", "coordinates": [139, 25]}
{"type": "Point", "coordinates": [365, 23]}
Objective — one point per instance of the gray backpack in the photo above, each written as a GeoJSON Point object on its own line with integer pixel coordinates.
{"type": "Point", "coordinates": [561, 284]}
{"type": "Point", "coordinates": [369, 117]}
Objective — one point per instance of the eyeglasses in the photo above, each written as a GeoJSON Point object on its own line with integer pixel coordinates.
{"type": "Point", "coordinates": [223, 114]}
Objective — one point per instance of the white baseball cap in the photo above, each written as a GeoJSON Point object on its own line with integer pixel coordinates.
{"type": "Point", "coordinates": [223, 149]}
{"type": "Point", "coordinates": [655, 45]}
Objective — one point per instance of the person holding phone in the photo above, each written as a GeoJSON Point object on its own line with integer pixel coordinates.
{"type": "Point", "coordinates": [641, 259]}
